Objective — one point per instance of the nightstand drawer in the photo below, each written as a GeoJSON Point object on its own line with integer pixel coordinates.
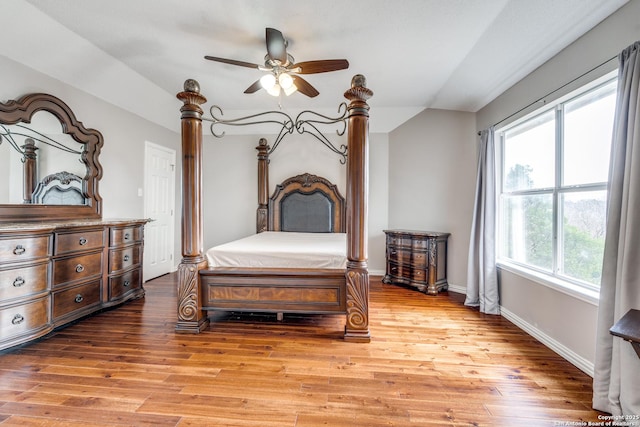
{"type": "Point", "coordinates": [76, 299]}
{"type": "Point", "coordinates": [78, 241]}
{"type": "Point", "coordinates": [18, 282]}
{"type": "Point", "coordinates": [406, 256]}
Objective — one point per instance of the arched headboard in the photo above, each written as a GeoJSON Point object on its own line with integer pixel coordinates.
{"type": "Point", "coordinates": [307, 203]}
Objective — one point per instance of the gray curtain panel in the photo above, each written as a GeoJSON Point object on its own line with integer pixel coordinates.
{"type": "Point", "coordinates": [482, 278]}
{"type": "Point", "coordinates": [616, 382]}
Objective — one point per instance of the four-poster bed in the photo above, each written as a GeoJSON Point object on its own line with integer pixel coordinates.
{"type": "Point", "coordinates": [307, 289]}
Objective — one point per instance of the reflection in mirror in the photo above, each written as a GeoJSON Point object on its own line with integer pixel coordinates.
{"type": "Point", "coordinates": [49, 162]}
{"type": "Point", "coordinates": [40, 164]}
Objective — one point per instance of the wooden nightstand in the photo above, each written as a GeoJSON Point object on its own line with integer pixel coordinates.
{"type": "Point", "coordinates": [418, 259]}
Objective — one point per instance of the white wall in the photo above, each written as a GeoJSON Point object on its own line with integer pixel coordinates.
{"type": "Point", "coordinates": [432, 171]}
{"type": "Point", "coordinates": [562, 321]}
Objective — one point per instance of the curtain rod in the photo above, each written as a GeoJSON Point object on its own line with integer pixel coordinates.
{"type": "Point", "coordinates": [554, 91]}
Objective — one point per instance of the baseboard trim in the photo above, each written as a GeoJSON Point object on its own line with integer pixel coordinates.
{"type": "Point", "coordinates": [457, 289]}
{"type": "Point", "coordinates": [565, 352]}
{"type": "Point", "coordinates": [572, 357]}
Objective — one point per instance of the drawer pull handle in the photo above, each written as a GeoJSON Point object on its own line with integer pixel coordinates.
{"type": "Point", "coordinates": [18, 282]}
{"type": "Point", "coordinates": [126, 283]}
{"type": "Point", "coordinates": [394, 252]}
{"type": "Point", "coordinates": [79, 268]}
{"type": "Point", "coordinates": [82, 241]}
{"type": "Point", "coordinates": [126, 258]}
{"type": "Point", "coordinates": [19, 250]}
{"type": "Point", "coordinates": [79, 298]}
{"type": "Point", "coordinates": [127, 236]}
{"type": "Point", "coordinates": [17, 319]}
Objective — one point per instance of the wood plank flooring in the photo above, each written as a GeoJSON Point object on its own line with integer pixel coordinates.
{"type": "Point", "coordinates": [431, 362]}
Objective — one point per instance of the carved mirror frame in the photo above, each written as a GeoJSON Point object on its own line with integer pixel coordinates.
{"type": "Point", "coordinates": [22, 111]}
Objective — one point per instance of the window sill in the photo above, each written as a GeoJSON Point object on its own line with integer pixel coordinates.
{"type": "Point", "coordinates": [568, 288]}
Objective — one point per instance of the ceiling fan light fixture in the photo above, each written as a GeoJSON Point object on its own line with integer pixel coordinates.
{"type": "Point", "coordinates": [285, 81]}
{"type": "Point", "coordinates": [291, 89]}
{"type": "Point", "coordinates": [268, 81]}
{"type": "Point", "coordinates": [274, 90]}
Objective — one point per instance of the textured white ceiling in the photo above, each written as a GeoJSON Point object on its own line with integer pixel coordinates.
{"type": "Point", "coordinates": [416, 54]}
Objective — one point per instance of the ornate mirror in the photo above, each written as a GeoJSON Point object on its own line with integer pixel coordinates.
{"type": "Point", "coordinates": [48, 162]}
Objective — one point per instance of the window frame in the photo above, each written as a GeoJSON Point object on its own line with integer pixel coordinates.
{"type": "Point", "coordinates": [580, 289]}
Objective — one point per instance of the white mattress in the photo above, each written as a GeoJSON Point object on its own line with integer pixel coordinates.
{"type": "Point", "coordinates": [273, 249]}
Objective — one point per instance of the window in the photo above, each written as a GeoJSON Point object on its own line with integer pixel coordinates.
{"type": "Point", "coordinates": [552, 205]}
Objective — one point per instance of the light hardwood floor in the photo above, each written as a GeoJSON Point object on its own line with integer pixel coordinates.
{"type": "Point", "coordinates": [431, 362]}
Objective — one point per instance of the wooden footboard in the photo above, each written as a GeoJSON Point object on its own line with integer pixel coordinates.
{"type": "Point", "coordinates": [315, 291]}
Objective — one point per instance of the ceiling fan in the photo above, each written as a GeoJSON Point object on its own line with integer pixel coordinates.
{"type": "Point", "coordinates": [283, 71]}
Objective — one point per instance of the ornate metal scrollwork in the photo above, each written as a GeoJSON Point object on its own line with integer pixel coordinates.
{"type": "Point", "coordinates": [30, 135]}
{"type": "Point", "coordinates": [306, 122]}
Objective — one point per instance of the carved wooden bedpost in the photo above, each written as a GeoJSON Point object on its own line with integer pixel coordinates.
{"type": "Point", "coordinates": [190, 317]}
{"type": "Point", "coordinates": [262, 215]}
{"type": "Point", "coordinates": [30, 168]}
{"type": "Point", "coordinates": [357, 274]}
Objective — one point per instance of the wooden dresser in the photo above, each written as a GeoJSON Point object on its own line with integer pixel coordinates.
{"type": "Point", "coordinates": [52, 273]}
{"type": "Point", "coordinates": [418, 259]}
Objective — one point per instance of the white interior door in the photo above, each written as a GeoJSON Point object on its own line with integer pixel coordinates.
{"type": "Point", "coordinates": [159, 204]}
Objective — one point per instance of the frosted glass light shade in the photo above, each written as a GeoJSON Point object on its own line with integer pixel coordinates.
{"type": "Point", "coordinates": [268, 81]}
{"type": "Point", "coordinates": [285, 81]}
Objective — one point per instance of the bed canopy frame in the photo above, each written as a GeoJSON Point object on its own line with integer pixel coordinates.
{"type": "Point", "coordinates": [192, 306]}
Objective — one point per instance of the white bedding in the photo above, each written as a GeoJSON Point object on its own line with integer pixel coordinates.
{"type": "Point", "coordinates": [273, 249]}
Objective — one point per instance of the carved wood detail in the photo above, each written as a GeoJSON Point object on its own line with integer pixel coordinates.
{"type": "Point", "coordinates": [191, 318]}
{"type": "Point", "coordinates": [262, 214]}
{"type": "Point", "coordinates": [306, 184]}
{"type": "Point", "coordinates": [357, 327]}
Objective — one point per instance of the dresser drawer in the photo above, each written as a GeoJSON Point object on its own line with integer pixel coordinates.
{"type": "Point", "coordinates": [125, 235]}
{"type": "Point", "coordinates": [18, 282]}
{"type": "Point", "coordinates": [23, 318]}
{"type": "Point", "coordinates": [77, 298]}
{"type": "Point", "coordinates": [121, 259]}
{"type": "Point", "coordinates": [24, 248]}
{"type": "Point", "coordinates": [68, 270]}
{"type": "Point", "coordinates": [78, 241]}
{"type": "Point", "coordinates": [123, 284]}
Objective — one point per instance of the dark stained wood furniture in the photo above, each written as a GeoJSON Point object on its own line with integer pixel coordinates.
{"type": "Point", "coordinates": [277, 290]}
{"type": "Point", "coordinates": [303, 203]}
{"type": "Point", "coordinates": [60, 262]}
{"type": "Point", "coordinates": [628, 328]}
{"type": "Point", "coordinates": [22, 111]}
{"type": "Point", "coordinates": [418, 259]}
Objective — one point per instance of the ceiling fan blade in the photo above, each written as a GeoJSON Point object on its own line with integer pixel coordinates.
{"type": "Point", "coordinates": [232, 62]}
{"type": "Point", "coordinates": [322, 66]}
{"type": "Point", "coordinates": [256, 86]}
{"type": "Point", "coordinates": [276, 45]}
{"type": "Point", "coordinates": [305, 87]}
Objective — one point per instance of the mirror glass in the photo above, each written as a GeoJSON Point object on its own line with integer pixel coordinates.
{"type": "Point", "coordinates": [40, 164]}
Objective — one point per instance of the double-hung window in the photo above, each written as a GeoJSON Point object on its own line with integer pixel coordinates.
{"type": "Point", "coordinates": [553, 187]}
